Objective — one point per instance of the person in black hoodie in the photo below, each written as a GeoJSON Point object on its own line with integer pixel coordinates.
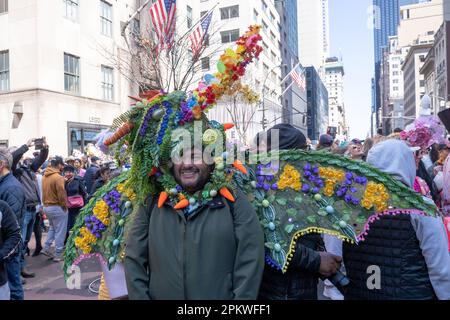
{"type": "Point", "coordinates": [25, 172]}
{"type": "Point", "coordinates": [75, 189]}
{"type": "Point", "coordinates": [9, 241]}
{"type": "Point", "coordinates": [309, 261]}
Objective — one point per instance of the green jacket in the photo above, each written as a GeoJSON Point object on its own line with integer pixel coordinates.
{"type": "Point", "coordinates": [215, 254]}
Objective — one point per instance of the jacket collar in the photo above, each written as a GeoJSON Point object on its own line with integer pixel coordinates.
{"type": "Point", "coordinates": [214, 204]}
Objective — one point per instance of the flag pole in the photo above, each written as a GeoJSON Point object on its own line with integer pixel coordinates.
{"type": "Point", "coordinates": [290, 72]}
{"type": "Point", "coordinates": [199, 21]}
{"type": "Point", "coordinates": [133, 16]}
{"type": "Point", "coordinates": [289, 86]}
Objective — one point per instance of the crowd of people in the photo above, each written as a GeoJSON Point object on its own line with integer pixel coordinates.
{"type": "Point", "coordinates": [42, 188]}
{"type": "Point", "coordinates": [40, 193]}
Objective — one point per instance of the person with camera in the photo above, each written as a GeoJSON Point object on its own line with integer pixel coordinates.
{"type": "Point", "coordinates": [76, 195]}
{"type": "Point", "coordinates": [25, 171]}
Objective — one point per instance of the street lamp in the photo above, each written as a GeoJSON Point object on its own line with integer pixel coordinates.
{"type": "Point", "coordinates": [264, 120]}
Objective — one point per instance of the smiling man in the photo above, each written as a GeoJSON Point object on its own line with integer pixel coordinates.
{"type": "Point", "coordinates": [211, 249]}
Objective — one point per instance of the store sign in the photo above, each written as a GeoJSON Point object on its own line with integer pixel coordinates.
{"type": "Point", "coordinates": [94, 120]}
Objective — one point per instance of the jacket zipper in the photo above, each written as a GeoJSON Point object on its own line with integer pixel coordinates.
{"type": "Point", "coordinates": [184, 259]}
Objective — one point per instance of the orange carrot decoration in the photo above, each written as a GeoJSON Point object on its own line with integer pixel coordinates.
{"type": "Point", "coordinates": [227, 126]}
{"type": "Point", "coordinates": [238, 165]}
{"type": "Point", "coordinates": [182, 204]}
{"type": "Point", "coordinates": [120, 133]}
{"type": "Point", "coordinates": [162, 198]}
{"type": "Point", "coordinates": [227, 194]}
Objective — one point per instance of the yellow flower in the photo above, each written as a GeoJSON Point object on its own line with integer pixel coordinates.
{"type": "Point", "coordinates": [101, 211]}
{"type": "Point", "coordinates": [290, 178]}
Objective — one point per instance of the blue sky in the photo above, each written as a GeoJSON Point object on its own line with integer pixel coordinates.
{"type": "Point", "coordinates": [351, 37]}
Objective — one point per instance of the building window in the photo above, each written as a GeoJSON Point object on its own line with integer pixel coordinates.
{"type": "Point", "coordinates": [189, 17]}
{"type": "Point", "coordinates": [71, 9]}
{"type": "Point", "coordinates": [229, 36]}
{"type": "Point", "coordinates": [80, 135]}
{"type": "Point", "coordinates": [395, 88]}
{"type": "Point", "coordinates": [272, 37]}
{"type": "Point", "coordinates": [272, 17]}
{"type": "Point", "coordinates": [205, 63]}
{"type": "Point", "coordinates": [229, 12]}
{"type": "Point", "coordinates": [264, 26]}
{"type": "Point", "coordinates": [3, 6]}
{"type": "Point", "coordinates": [255, 15]}
{"type": "Point", "coordinates": [4, 71]}
{"type": "Point", "coordinates": [263, 5]}
{"type": "Point", "coordinates": [108, 83]}
{"type": "Point", "coordinates": [71, 73]}
{"type": "Point", "coordinates": [106, 18]}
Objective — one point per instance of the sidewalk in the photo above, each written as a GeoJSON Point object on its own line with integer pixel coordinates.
{"type": "Point", "coordinates": [49, 282]}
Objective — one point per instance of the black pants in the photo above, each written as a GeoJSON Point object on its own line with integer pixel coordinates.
{"type": "Point", "coordinates": [73, 214]}
{"type": "Point", "coordinates": [37, 229]}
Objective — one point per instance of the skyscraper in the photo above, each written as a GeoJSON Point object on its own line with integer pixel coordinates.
{"type": "Point", "coordinates": [386, 20]}
{"type": "Point", "coordinates": [313, 32]}
{"type": "Point", "coordinates": [294, 99]}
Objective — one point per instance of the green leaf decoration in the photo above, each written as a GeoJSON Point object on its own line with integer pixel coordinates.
{"type": "Point", "coordinates": [311, 219]}
{"type": "Point", "coordinates": [289, 228]}
{"type": "Point", "coordinates": [281, 201]}
{"type": "Point", "coordinates": [291, 212]}
{"type": "Point", "coordinates": [298, 200]}
{"type": "Point", "coordinates": [269, 245]}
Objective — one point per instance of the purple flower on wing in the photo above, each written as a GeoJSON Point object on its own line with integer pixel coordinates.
{"type": "Point", "coordinates": [179, 188]}
{"type": "Point", "coordinates": [339, 193]}
{"type": "Point", "coordinates": [266, 187]}
{"type": "Point", "coordinates": [315, 169]}
{"type": "Point", "coordinates": [275, 186]}
{"type": "Point", "coordinates": [353, 190]}
{"type": "Point", "coordinates": [307, 173]}
{"type": "Point", "coordinates": [348, 198]}
{"type": "Point", "coordinates": [307, 167]}
{"type": "Point", "coordinates": [260, 179]}
{"type": "Point", "coordinates": [349, 175]}
{"type": "Point", "coordinates": [316, 190]}
{"type": "Point", "coordinates": [355, 201]}
{"type": "Point", "coordinates": [306, 188]}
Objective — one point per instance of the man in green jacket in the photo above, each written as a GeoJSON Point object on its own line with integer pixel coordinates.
{"type": "Point", "coordinates": [208, 251]}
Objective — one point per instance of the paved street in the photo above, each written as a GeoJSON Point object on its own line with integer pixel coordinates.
{"type": "Point", "coordinates": [49, 282]}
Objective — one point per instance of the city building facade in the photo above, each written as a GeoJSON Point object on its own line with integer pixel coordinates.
{"type": "Point", "coordinates": [317, 104]}
{"type": "Point", "coordinates": [294, 97]}
{"type": "Point", "coordinates": [386, 14]}
{"type": "Point", "coordinates": [334, 82]}
{"type": "Point", "coordinates": [414, 82]}
{"type": "Point", "coordinates": [313, 32]}
{"type": "Point", "coordinates": [230, 19]}
{"type": "Point", "coordinates": [58, 77]}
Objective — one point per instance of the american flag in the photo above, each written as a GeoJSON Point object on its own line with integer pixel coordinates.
{"type": "Point", "coordinates": [162, 13]}
{"type": "Point", "coordinates": [298, 76]}
{"type": "Point", "coordinates": [199, 33]}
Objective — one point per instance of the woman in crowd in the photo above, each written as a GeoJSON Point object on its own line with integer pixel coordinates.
{"type": "Point", "coordinates": [79, 168]}
{"type": "Point", "coordinates": [76, 195]}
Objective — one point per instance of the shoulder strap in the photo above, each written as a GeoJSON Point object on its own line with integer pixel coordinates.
{"type": "Point", "coordinates": [231, 205]}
